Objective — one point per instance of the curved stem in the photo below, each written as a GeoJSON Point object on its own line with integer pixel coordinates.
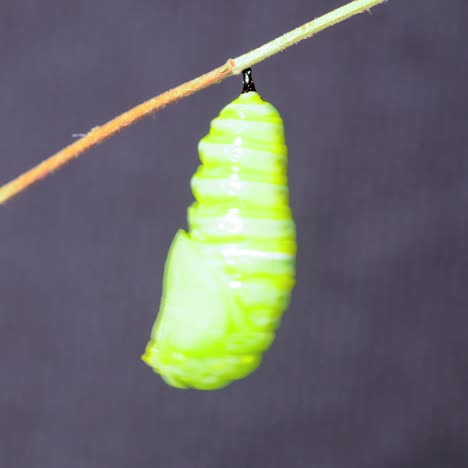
{"type": "Point", "coordinates": [231, 67]}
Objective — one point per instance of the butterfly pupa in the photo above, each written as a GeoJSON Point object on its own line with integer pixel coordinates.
{"type": "Point", "coordinates": [228, 280]}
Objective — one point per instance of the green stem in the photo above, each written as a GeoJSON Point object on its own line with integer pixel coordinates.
{"type": "Point", "coordinates": [302, 32]}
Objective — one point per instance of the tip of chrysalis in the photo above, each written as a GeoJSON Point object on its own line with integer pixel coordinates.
{"type": "Point", "coordinates": [249, 85]}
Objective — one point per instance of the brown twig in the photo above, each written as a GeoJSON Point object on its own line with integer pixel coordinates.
{"type": "Point", "coordinates": [231, 67]}
{"type": "Point", "coordinates": [99, 134]}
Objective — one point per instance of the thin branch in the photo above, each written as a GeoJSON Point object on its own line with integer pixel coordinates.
{"type": "Point", "coordinates": [232, 67]}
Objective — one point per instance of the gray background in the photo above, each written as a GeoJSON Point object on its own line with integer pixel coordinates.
{"type": "Point", "coordinates": [369, 368]}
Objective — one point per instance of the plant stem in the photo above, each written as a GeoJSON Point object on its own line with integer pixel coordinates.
{"type": "Point", "coordinates": [231, 67]}
{"type": "Point", "coordinates": [302, 32]}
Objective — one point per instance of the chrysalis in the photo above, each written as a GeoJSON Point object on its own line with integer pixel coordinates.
{"type": "Point", "coordinates": [228, 280]}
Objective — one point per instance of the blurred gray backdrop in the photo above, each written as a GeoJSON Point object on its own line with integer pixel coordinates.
{"type": "Point", "coordinates": [369, 368]}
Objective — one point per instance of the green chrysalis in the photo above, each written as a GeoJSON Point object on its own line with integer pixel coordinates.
{"type": "Point", "coordinates": [228, 280]}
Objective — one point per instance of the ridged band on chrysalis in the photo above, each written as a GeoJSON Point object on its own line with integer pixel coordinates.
{"type": "Point", "coordinates": [228, 280]}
